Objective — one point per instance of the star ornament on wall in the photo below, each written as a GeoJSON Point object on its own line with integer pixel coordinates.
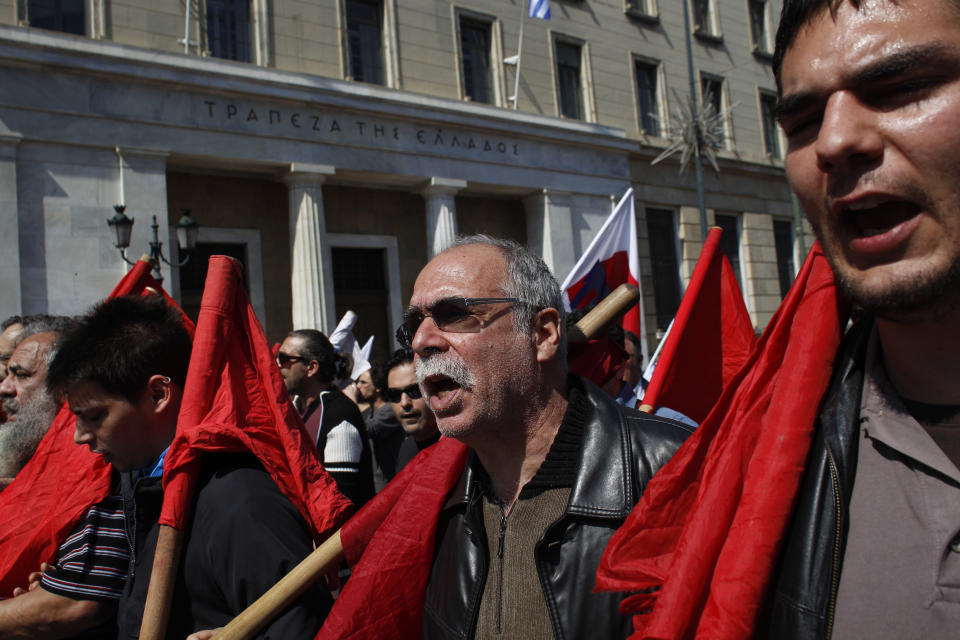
{"type": "Point", "coordinates": [695, 130]}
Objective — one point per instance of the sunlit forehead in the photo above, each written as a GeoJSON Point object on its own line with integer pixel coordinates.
{"type": "Point", "coordinates": [833, 49]}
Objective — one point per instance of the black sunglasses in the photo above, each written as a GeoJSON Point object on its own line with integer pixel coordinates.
{"type": "Point", "coordinates": [413, 392]}
{"type": "Point", "coordinates": [449, 314]}
{"type": "Point", "coordinates": [283, 359]}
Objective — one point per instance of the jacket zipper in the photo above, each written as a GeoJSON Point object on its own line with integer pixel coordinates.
{"type": "Point", "coordinates": [500, 542]}
{"type": "Point", "coordinates": [835, 569]}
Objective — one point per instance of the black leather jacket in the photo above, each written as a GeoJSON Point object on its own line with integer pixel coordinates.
{"type": "Point", "coordinates": [622, 449]}
{"type": "Point", "coordinates": [809, 574]}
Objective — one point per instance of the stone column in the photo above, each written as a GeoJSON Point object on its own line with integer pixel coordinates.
{"type": "Point", "coordinates": [9, 228]}
{"type": "Point", "coordinates": [441, 213]}
{"type": "Point", "coordinates": [550, 230]}
{"type": "Point", "coordinates": [309, 257]}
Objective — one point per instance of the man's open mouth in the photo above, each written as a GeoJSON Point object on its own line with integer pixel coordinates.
{"type": "Point", "coordinates": [440, 386]}
{"type": "Point", "coordinates": [875, 216]}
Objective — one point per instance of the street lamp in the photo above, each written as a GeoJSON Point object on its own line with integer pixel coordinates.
{"type": "Point", "coordinates": [187, 230]}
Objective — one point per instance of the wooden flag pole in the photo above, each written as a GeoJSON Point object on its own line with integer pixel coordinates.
{"type": "Point", "coordinates": [615, 304]}
{"type": "Point", "coordinates": [328, 554]}
{"type": "Point", "coordinates": [163, 578]}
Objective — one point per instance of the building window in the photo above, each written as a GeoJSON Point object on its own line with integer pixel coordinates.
{"type": "Point", "coordinates": [228, 29]}
{"type": "Point", "coordinates": [475, 59]}
{"type": "Point", "coordinates": [66, 16]}
{"type": "Point", "coordinates": [643, 9]}
{"type": "Point", "coordinates": [758, 26]}
{"type": "Point", "coordinates": [360, 285]}
{"type": "Point", "coordinates": [648, 97]}
{"type": "Point", "coordinates": [705, 19]}
{"type": "Point", "coordinates": [193, 274]}
{"type": "Point", "coordinates": [771, 131]}
{"type": "Point", "coordinates": [569, 79]}
{"type": "Point", "coordinates": [663, 257]}
{"type": "Point", "coordinates": [364, 40]}
{"type": "Point", "coordinates": [783, 241]}
{"type": "Point", "coordinates": [711, 92]}
{"type": "Point", "coordinates": [730, 241]}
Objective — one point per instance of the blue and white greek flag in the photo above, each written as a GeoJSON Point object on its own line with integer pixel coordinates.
{"type": "Point", "coordinates": [540, 9]}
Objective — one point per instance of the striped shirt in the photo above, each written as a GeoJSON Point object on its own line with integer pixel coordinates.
{"type": "Point", "coordinates": [92, 562]}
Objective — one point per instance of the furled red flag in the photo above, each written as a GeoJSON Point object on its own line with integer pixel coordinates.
{"type": "Point", "coordinates": [610, 260]}
{"type": "Point", "coordinates": [699, 549]}
{"type": "Point", "coordinates": [60, 482]}
{"type": "Point", "coordinates": [709, 341]}
{"type": "Point", "coordinates": [598, 360]}
{"type": "Point", "coordinates": [389, 546]}
{"type": "Point", "coordinates": [234, 400]}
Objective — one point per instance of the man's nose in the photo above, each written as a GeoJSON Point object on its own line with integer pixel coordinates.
{"type": "Point", "coordinates": [82, 435]}
{"type": "Point", "coordinates": [7, 390]}
{"type": "Point", "coordinates": [848, 136]}
{"type": "Point", "coordinates": [428, 337]}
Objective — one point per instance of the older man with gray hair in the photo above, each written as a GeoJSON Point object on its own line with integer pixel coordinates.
{"type": "Point", "coordinates": [556, 466]}
{"type": "Point", "coordinates": [29, 408]}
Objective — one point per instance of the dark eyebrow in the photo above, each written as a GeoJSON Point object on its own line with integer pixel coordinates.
{"type": "Point", "coordinates": [794, 103]}
{"type": "Point", "coordinates": [900, 63]}
{"type": "Point", "coordinates": [888, 68]}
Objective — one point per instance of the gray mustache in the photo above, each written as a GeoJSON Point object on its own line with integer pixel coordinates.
{"type": "Point", "coordinates": [444, 364]}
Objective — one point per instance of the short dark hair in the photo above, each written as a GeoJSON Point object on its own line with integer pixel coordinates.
{"type": "Point", "coordinates": [120, 344]}
{"type": "Point", "coordinates": [793, 16]}
{"type": "Point", "coordinates": [378, 375]}
{"type": "Point", "coordinates": [397, 358]}
{"type": "Point", "coordinates": [316, 346]}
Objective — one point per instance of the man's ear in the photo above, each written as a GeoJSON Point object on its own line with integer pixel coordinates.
{"type": "Point", "coordinates": [312, 368]}
{"type": "Point", "coordinates": [160, 392]}
{"type": "Point", "coordinates": [547, 333]}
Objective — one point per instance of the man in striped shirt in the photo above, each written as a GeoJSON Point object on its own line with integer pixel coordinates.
{"type": "Point", "coordinates": [308, 365]}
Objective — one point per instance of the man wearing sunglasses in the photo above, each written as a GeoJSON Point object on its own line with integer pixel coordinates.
{"type": "Point", "coordinates": [308, 365]}
{"type": "Point", "coordinates": [409, 407]}
{"type": "Point", "coordinates": [556, 465]}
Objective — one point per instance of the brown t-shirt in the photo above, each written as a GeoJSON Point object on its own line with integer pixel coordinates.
{"type": "Point", "coordinates": [900, 573]}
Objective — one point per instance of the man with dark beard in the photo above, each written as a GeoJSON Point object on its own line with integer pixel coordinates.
{"type": "Point", "coordinates": [555, 464]}
{"type": "Point", "coordinates": [870, 104]}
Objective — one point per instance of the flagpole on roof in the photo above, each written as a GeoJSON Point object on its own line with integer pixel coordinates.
{"type": "Point", "coordinates": [515, 60]}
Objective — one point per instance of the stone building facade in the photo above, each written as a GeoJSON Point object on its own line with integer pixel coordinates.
{"type": "Point", "coordinates": [335, 145]}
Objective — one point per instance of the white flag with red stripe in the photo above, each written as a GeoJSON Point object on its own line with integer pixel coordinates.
{"type": "Point", "coordinates": [610, 260]}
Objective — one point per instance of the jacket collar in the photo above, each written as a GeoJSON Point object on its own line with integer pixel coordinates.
{"type": "Point", "coordinates": [604, 486]}
{"type": "Point", "coordinates": [839, 416]}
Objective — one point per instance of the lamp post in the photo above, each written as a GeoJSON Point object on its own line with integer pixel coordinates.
{"type": "Point", "coordinates": [187, 230]}
{"type": "Point", "coordinates": [697, 160]}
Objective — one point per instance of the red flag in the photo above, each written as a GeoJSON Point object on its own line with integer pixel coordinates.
{"type": "Point", "coordinates": [610, 260]}
{"type": "Point", "coordinates": [60, 482]}
{"type": "Point", "coordinates": [234, 400]}
{"type": "Point", "coordinates": [598, 360]}
{"type": "Point", "coordinates": [709, 342]}
{"type": "Point", "coordinates": [389, 545]}
{"type": "Point", "coordinates": [706, 533]}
